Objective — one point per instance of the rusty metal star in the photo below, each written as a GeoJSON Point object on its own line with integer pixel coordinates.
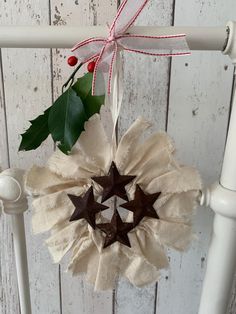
{"type": "Point", "coordinates": [113, 184]}
{"type": "Point", "coordinates": [116, 230]}
{"type": "Point", "coordinates": [142, 205]}
{"type": "Point", "coordinates": [86, 207]}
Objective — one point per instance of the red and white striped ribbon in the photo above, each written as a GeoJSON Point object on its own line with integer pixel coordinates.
{"type": "Point", "coordinates": [105, 50]}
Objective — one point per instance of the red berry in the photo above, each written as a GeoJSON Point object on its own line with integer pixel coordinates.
{"type": "Point", "coordinates": [91, 66]}
{"type": "Point", "coordinates": [72, 61]}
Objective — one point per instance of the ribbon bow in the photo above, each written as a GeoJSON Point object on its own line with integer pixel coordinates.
{"type": "Point", "coordinates": [105, 50]}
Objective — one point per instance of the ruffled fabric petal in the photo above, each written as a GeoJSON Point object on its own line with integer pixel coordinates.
{"type": "Point", "coordinates": [156, 143]}
{"type": "Point", "coordinates": [65, 237]}
{"type": "Point", "coordinates": [171, 234]}
{"type": "Point", "coordinates": [147, 245]}
{"type": "Point", "coordinates": [178, 207]}
{"type": "Point", "coordinates": [176, 181]}
{"type": "Point", "coordinates": [41, 180]}
{"type": "Point", "coordinates": [87, 259]}
{"type": "Point", "coordinates": [136, 269]}
{"type": "Point", "coordinates": [157, 166]}
{"type": "Point", "coordinates": [73, 166]}
{"type": "Point", "coordinates": [128, 143]}
{"type": "Point", "coordinates": [94, 144]}
{"type": "Point", "coordinates": [53, 209]}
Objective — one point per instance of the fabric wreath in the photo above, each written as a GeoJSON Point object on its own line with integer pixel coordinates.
{"type": "Point", "coordinates": [156, 194]}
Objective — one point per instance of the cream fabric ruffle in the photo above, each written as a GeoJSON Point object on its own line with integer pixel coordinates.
{"type": "Point", "coordinates": [152, 162]}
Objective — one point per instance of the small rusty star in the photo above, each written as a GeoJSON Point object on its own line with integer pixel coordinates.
{"type": "Point", "coordinates": [86, 207]}
{"type": "Point", "coordinates": [113, 184]}
{"type": "Point", "coordinates": [116, 230]}
{"type": "Point", "coordinates": [142, 205]}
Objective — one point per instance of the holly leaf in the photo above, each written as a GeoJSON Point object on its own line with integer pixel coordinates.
{"type": "Point", "coordinates": [83, 88]}
{"type": "Point", "coordinates": [66, 119]}
{"type": "Point", "coordinates": [36, 133]}
{"type": "Point", "coordinates": [83, 85]}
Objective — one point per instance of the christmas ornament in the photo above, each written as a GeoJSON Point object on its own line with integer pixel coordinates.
{"type": "Point", "coordinates": [114, 208]}
{"type": "Point", "coordinates": [71, 197]}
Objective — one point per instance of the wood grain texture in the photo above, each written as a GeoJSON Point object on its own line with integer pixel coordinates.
{"type": "Point", "coordinates": [8, 286]}
{"type": "Point", "coordinates": [232, 300]}
{"type": "Point", "coordinates": [200, 90]}
{"type": "Point", "coordinates": [146, 81]}
{"type": "Point", "coordinates": [4, 157]}
{"type": "Point", "coordinates": [76, 292]}
{"type": "Point", "coordinates": [27, 83]}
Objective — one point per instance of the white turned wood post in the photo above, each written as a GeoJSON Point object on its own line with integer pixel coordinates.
{"type": "Point", "coordinates": [221, 197]}
{"type": "Point", "coordinates": [15, 203]}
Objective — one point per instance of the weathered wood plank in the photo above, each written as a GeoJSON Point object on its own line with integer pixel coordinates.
{"type": "Point", "coordinates": [4, 158]}
{"type": "Point", "coordinates": [76, 293]}
{"type": "Point", "coordinates": [8, 287]}
{"type": "Point", "coordinates": [27, 82]}
{"type": "Point", "coordinates": [197, 120]}
{"type": "Point", "coordinates": [146, 93]}
{"type": "Point", "coordinates": [232, 300]}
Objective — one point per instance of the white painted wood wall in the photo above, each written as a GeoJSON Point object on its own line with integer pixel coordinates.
{"type": "Point", "coordinates": [189, 97]}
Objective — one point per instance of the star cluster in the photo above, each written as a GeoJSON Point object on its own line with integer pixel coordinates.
{"type": "Point", "coordinates": [114, 184]}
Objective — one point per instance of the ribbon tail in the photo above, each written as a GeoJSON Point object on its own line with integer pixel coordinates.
{"type": "Point", "coordinates": [97, 77]}
{"type": "Point", "coordinates": [113, 63]}
{"type": "Point", "coordinates": [169, 45]}
{"type": "Point", "coordinates": [103, 72]}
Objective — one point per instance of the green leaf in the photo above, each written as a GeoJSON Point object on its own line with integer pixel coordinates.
{"type": "Point", "coordinates": [83, 85]}
{"type": "Point", "coordinates": [66, 119]}
{"type": "Point", "coordinates": [83, 88]}
{"type": "Point", "coordinates": [37, 132]}
{"type": "Point", "coordinates": [92, 104]}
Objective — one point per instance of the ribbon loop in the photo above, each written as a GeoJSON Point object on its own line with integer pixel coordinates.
{"type": "Point", "coordinates": [126, 15]}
